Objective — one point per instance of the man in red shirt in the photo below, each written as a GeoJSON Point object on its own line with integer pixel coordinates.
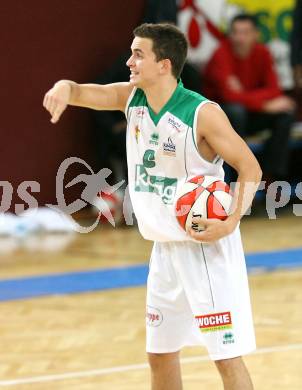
{"type": "Point", "coordinates": [241, 77]}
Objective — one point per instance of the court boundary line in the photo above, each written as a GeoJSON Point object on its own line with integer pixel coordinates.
{"type": "Point", "coordinates": [75, 282]}
{"type": "Point", "coordinates": [131, 367]}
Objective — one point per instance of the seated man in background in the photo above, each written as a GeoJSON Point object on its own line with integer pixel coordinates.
{"type": "Point", "coordinates": [241, 77]}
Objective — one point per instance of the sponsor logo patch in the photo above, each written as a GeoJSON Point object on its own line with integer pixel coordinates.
{"type": "Point", "coordinates": [214, 322]}
{"type": "Point", "coordinates": [154, 139]}
{"type": "Point", "coordinates": [228, 338]}
{"type": "Point", "coordinates": [139, 111]}
{"type": "Point", "coordinates": [154, 316]}
{"type": "Point", "coordinates": [137, 133]}
{"type": "Point", "coordinates": [165, 187]}
{"type": "Point", "coordinates": [174, 124]}
{"type": "Point", "coordinates": [169, 148]}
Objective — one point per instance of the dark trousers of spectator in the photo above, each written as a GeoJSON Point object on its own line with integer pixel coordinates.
{"type": "Point", "coordinates": [274, 159]}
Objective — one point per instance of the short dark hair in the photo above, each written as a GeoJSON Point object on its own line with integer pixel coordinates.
{"type": "Point", "coordinates": [168, 43]}
{"type": "Point", "coordinates": [244, 18]}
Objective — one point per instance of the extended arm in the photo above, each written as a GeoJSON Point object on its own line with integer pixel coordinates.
{"type": "Point", "coordinates": [98, 97]}
{"type": "Point", "coordinates": [214, 128]}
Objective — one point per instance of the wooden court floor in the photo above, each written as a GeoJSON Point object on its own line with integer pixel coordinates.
{"type": "Point", "coordinates": [95, 340]}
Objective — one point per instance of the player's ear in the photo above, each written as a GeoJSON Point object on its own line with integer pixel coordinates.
{"type": "Point", "coordinates": [166, 66]}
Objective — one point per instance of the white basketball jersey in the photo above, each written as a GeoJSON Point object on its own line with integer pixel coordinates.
{"type": "Point", "coordinates": [162, 155]}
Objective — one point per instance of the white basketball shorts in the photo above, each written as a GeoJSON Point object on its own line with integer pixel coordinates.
{"type": "Point", "coordinates": [197, 294]}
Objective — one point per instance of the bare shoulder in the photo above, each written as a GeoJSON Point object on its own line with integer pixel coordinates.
{"type": "Point", "coordinates": [214, 127]}
{"type": "Point", "coordinates": [211, 118]}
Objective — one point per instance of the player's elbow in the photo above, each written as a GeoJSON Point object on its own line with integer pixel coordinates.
{"type": "Point", "coordinates": [250, 171]}
{"type": "Point", "coordinates": [255, 172]}
{"type": "Point", "coordinates": [258, 172]}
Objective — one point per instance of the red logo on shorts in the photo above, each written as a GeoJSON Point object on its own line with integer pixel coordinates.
{"type": "Point", "coordinates": [215, 321]}
{"type": "Point", "coordinates": [154, 316]}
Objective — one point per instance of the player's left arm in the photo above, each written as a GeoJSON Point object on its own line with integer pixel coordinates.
{"type": "Point", "coordinates": [214, 128]}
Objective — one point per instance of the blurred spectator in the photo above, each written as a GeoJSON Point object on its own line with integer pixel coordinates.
{"type": "Point", "coordinates": [241, 76]}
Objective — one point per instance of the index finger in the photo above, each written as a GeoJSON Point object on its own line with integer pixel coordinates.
{"type": "Point", "coordinates": [198, 219]}
{"type": "Point", "coordinates": [202, 236]}
{"type": "Point", "coordinates": [56, 116]}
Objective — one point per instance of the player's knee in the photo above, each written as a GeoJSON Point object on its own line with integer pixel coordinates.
{"type": "Point", "coordinates": [228, 365]}
{"type": "Point", "coordinates": [158, 361]}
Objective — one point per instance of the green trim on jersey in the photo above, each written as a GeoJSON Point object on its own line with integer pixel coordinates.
{"type": "Point", "coordinates": [182, 104]}
{"type": "Point", "coordinates": [138, 99]}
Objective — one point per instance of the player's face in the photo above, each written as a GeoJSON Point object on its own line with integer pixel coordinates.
{"type": "Point", "coordinates": [243, 35]}
{"type": "Point", "coordinates": [143, 65]}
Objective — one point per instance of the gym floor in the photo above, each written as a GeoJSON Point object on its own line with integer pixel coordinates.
{"type": "Point", "coordinates": [72, 310]}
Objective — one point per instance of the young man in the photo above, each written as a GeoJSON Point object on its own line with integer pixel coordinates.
{"type": "Point", "coordinates": [197, 290]}
{"type": "Point", "coordinates": [241, 76]}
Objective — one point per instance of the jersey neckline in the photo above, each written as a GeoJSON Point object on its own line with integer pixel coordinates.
{"type": "Point", "coordinates": [173, 98]}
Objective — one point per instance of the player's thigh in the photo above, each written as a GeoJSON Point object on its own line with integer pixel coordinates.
{"type": "Point", "coordinates": [215, 282]}
{"type": "Point", "coordinates": [169, 318]}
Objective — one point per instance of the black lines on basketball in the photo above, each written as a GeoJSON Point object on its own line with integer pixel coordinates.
{"type": "Point", "coordinates": [215, 209]}
{"type": "Point", "coordinates": [206, 196]}
{"type": "Point", "coordinates": [184, 205]}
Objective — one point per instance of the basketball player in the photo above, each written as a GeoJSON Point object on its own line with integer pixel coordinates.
{"type": "Point", "coordinates": [197, 291]}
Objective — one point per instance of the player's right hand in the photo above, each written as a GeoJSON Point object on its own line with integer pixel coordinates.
{"type": "Point", "coordinates": [210, 230]}
{"type": "Point", "coordinates": [56, 99]}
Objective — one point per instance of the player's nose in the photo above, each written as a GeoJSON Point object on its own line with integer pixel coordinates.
{"type": "Point", "coordinates": [130, 61]}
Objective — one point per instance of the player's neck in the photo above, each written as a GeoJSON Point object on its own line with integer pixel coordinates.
{"type": "Point", "coordinates": [159, 93]}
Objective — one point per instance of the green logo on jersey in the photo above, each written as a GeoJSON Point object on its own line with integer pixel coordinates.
{"type": "Point", "coordinates": [164, 187]}
{"type": "Point", "coordinates": [228, 338]}
{"type": "Point", "coordinates": [149, 159]}
{"type": "Point", "coordinates": [154, 139]}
